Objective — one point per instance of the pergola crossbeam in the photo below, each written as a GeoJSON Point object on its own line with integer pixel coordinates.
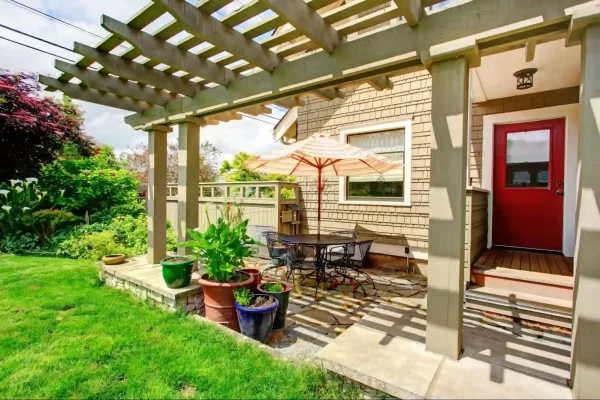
{"type": "Point", "coordinates": [169, 54]}
{"type": "Point", "coordinates": [94, 96]}
{"type": "Point", "coordinates": [138, 72]}
{"type": "Point", "coordinates": [330, 94]}
{"type": "Point", "coordinates": [381, 83]}
{"type": "Point", "coordinates": [499, 25]}
{"type": "Point", "coordinates": [207, 28]}
{"type": "Point", "coordinates": [410, 9]}
{"type": "Point", "coordinates": [307, 21]}
{"type": "Point", "coordinates": [117, 86]}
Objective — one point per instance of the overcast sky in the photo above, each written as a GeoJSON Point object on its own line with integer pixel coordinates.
{"type": "Point", "coordinates": [103, 123]}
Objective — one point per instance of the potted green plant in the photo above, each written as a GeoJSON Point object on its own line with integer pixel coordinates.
{"type": "Point", "coordinates": [222, 249]}
{"type": "Point", "coordinates": [256, 313]}
{"type": "Point", "coordinates": [177, 271]}
{"type": "Point", "coordinates": [281, 292]}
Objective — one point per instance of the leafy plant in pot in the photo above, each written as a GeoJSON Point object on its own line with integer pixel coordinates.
{"type": "Point", "coordinates": [177, 271]}
{"type": "Point", "coordinates": [222, 248]}
{"type": "Point", "coordinates": [281, 292]}
{"type": "Point", "coordinates": [256, 313]}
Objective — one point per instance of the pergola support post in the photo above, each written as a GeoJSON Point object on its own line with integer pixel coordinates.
{"type": "Point", "coordinates": [157, 193]}
{"type": "Point", "coordinates": [188, 189]}
{"type": "Point", "coordinates": [585, 363]}
{"type": "Point", "coordinates": [449, 113]}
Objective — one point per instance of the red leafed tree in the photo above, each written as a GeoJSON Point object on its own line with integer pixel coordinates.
{"type": "Point", "coordinates": [34, 130]}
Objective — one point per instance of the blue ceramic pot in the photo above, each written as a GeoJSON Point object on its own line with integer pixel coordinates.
{"type": "Point", "coordinates": [257, 323]}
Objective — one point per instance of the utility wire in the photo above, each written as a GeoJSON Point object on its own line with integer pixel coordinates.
{"type": "Point", "coordinates": [266, 122]}
{"type": "Point", "coordinates": [268, 116]}
{"type": "Point", "coordinates": [37, 38]}
{"type": "Point", "coordinates": [51, 17]}
{"type": "Point", "coordinates": [36, 49]}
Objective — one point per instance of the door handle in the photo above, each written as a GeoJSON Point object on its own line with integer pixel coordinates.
{"type": "Point", "coordinates": [559, 192]}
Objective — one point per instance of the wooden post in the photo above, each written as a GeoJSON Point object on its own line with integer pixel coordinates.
{"type": "Point", "coordinates": [157, 193]}
{"type": "Point", "coordinates": [447, 207]}
{"type": "Point", "coordinates": [277, 222]}
{"type": "Point", "coordinates": [188, 185]}
{"type": "Point", "coordinates": [585, 365]}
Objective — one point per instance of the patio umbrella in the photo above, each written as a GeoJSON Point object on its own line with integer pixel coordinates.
{"type": "Point", "coordinates": [320, 156]}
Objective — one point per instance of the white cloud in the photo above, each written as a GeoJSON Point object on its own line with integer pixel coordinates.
{"type": "Point", "coordinates": [103, 123]}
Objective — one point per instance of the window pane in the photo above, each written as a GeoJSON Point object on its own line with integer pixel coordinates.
{"type": "Point", "coordinates": [389, 185]}
{"type": "Point", "coordinates": [527, 159]}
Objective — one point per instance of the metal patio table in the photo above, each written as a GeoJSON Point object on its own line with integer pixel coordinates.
{"type": "Point", "coordinates": [319, 243]}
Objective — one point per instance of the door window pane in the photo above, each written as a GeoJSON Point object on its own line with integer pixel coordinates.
{"type": "Point", "coordinates": [527, 159]}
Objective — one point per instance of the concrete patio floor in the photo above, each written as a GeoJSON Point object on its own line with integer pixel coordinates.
{"type": "Point", "coordinates": [380, 341]}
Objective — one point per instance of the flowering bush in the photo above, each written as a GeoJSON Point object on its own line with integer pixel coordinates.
{"type": "Point", "coordinates": [34, 130]}
{"type": "Point", "coordinates": [224, 244]}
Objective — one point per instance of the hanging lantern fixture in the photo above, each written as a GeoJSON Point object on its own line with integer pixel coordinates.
{"type": "Point", "coordinates": [525, 78]}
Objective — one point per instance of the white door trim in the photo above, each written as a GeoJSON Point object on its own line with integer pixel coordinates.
{"type": "Point", "coordinates": [571, 113]}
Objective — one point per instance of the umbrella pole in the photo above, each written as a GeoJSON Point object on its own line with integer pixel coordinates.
{"type": "Point", "coordinates": [319, 188]}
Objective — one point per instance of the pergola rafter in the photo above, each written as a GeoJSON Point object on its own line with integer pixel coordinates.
{"type": "Point", "coordinates": [292, 59]}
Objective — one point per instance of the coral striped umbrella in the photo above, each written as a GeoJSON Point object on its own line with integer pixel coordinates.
{"type": "Point", "coordinates": [320, 156]}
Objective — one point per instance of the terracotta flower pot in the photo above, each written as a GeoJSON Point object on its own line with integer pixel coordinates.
{"type": "Point", "coordinates": [255, 274]}
{"type": "Point", "coordinates": [219, 302]}
{"type": "Point", "coordinates": [113, 259]}
{"type": "Point", "coordinates": [283, 298]}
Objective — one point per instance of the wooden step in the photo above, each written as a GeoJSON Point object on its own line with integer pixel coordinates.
{"type": "Point", "coordinates": [547, 310]}
{"type": "Point", "coordinates": [534, 283]}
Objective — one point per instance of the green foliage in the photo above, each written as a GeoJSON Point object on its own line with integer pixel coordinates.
{"type": "Point", "coordinates": [23, 243]}
{"type": "Point", "coordinates": [125, 234]}
{"type": "Point", "coordinates": [16, 202]}
{"type": "Point", "coordinates": [99, 184]}
{"type": "Point", "coordinates": [273, 287]}
{"type": "Point", "coordinates": [46, 223]}
{"type": "Point", "coordinates": [224, 244]}
{"type": "Point", "coordinates": [243, 296]}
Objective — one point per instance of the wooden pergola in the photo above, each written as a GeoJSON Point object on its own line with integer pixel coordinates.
{"type": "Point", "coordinates": [202, 68]}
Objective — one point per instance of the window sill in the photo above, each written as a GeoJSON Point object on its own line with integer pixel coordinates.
{"type": "Point", "coordinates": [375, 203]}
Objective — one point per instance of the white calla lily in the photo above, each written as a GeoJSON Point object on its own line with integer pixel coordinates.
{"type": "Point", "coordinates": [4, 192]}
{"type": "Point", "coordinates": [18, 189]}
{"type": "Point", "coordinates": [7, 208]}
{"type": "Point", "coordinates": [62, 192]}
{"type": "Point", "coordinates": [13, 182]}
{"type": "Point", "coordinates": [25, 209]}
{"type": "Point", "coordinates": [31, 180]}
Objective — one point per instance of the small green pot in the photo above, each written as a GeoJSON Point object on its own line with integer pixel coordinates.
{"type": "Point", "coordinates": [177, 271]}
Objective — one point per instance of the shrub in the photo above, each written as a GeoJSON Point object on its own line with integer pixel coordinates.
{"type": "Point", "coordinates": [125, 234]}
{"type": "Point", "coordinates": [99, 184]}
{"type": "Point", "coordinates": [46, 223]}
{"type": "Point", "coordinates": [16, 201]}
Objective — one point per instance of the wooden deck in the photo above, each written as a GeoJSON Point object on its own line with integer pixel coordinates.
{"type": "Point", "coordinates": [526, 261]}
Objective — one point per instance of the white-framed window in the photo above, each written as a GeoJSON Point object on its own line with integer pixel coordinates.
{"type": "Point", "coordinates": [391, 139]}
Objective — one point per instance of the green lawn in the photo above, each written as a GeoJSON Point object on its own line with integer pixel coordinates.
{"type": "Point", "coordinates": [63, 334]}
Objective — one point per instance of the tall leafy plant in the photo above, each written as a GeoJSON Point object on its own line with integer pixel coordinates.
{"type": "Point", "coordinates": [224, 244]}
{"type": "Point", "coordinates": [17, 200]}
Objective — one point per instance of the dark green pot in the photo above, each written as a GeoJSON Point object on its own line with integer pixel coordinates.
{"type": "Point", "coordinates": [177, 272]}
{"type": "Point", "coordinates": [283, 298]}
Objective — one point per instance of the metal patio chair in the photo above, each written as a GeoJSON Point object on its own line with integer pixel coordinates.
{"type": "Point", "coordinates": [349, 266]}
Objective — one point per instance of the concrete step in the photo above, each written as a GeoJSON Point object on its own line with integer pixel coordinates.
{"type": "Point", "coordinates": [547, 310]}
{"type": "Point", "coordinates": [534, 283]}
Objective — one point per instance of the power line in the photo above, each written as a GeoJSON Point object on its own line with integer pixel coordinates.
{"type": "Point", "coordinates": [37, 38]}
{"type": "Point", "coordinates": [51, 17]}
{"type": "Point", "coordinates": [36, 11]}
{"type": "Point", "coordinates": [36, 49]}
{"type": "Point", "coordinates": [268, 116]}
{"type": "Point", "coordinates": [266, 122]}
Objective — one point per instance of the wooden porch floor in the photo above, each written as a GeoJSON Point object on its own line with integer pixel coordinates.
{"type": "Point", "coordinates": [526, 260]}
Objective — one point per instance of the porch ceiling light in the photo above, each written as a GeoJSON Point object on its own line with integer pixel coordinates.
{"type": "Point", "coordinates": [525, 78]}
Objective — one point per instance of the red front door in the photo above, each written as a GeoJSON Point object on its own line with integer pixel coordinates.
{"type": "Point", "coordinates": [529, 185]}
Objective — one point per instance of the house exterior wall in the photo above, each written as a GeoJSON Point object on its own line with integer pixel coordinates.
{"type": "Point", "coordinates": [389, 225]}
{"type": "Point", "coordinates": [395, 226]}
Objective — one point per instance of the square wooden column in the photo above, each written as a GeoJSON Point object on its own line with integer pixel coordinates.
{"type": "Point", "coordinates": [449, 113]}
{"type": "Point", "coordinates": [157, 193]}
{"type": "Point", "coordinates": [585, 365]}
{"type": "Point", "coordinates": [188, 190]}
